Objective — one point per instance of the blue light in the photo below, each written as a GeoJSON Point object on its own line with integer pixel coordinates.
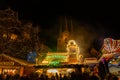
{"type": "Point", "coordinates": [31, 57]}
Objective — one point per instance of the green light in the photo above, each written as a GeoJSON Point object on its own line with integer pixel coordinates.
{"type": "Point", "coordinates": [55, 56]}
{"type": "Point", "coordinates": [54, 63]}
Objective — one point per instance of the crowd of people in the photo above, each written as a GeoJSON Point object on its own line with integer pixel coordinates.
{"type": "Point", "coordinates": [88, 74]}
{"type": "Point", "coordinates": [96, 72]}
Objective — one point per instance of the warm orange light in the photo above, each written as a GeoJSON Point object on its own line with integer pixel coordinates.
{"type": "Point", "coordinates": [52, 70]}
{"type": "Point", "coordinates": [13, 36]}
{"type": "Point", "coordinates": [4, 35]}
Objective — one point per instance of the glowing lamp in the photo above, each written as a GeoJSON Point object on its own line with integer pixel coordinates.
{"type": "Point", "coordinates": [52, 71]}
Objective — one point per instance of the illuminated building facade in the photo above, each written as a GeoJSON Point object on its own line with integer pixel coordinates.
{"type": "Point", "coordinates": [18, 37]}
{"type": "Point", "coordinates": [71, 56]}
{"type": "Point", "coordinates": [60, 62]}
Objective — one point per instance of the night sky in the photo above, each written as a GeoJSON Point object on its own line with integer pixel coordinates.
{"type": "Point", "coordinates": [103, 18]}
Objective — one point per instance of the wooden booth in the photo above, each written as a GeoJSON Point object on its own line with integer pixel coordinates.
{"type": "Point", "coordinates": [10, 65]}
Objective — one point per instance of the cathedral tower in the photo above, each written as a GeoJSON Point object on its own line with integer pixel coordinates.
{"type": "Point", "coordinates": [64, 36]}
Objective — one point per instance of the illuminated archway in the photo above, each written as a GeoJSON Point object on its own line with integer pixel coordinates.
{"type": "Point", "coordinates": [73, 51]}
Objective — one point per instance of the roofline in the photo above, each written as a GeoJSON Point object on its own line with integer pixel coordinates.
{"type": "Point", "coordinates": [17, 60]}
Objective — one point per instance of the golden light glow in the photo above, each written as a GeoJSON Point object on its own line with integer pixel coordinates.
{"type": "Point", "coordinates": [13, 36]}
{"type": "Point", "coordinates": [52, 70]}
{"type": "Point", "coordinates": [70, 70]}
{"type": "Point", "coordinates": [44, 62]}
{"type": "Point", "coordinates": [72, 44]}
{"type": "Point", "coordinates": [26, 35]}
{"type": "Point", "coordinates": [5, 35]}
{"type": "Point", "coordinates": [73, 49]}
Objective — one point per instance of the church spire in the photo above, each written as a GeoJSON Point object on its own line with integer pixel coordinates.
{"type": "Point", "coordinates": [60, 29]}
{"type": "Point", "coordinates": [71, 26]}
{"type": "Point", "coordinates": [66, 25]}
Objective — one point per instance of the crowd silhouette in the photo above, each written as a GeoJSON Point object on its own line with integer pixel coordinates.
{"type": "Point", "coordinates": [96, 72]}
{"type": "Point", "coordinates": [88, 74]}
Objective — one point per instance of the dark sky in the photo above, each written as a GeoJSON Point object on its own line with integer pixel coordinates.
{"type": "Point", "coordinates": [102, 16]}
{"type": "Point", "coordinates": [47, 11]}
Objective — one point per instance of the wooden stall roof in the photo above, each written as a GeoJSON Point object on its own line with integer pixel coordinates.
{"type": "Point", "coordinates": [20, 61]}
